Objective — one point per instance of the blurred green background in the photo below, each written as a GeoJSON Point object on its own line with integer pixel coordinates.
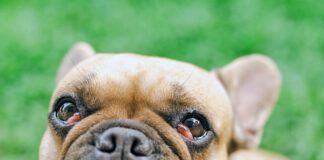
{"type": "Point", "coordinates": [35, 35]}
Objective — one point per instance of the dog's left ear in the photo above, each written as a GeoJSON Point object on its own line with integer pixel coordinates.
{"type": "Point", "coordinates": [253, 84]}
{"type": "Point", "coordinates": [79, 52]}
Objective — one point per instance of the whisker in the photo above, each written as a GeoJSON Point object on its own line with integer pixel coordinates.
{"type": "Point", "coordinates": [187, 79]}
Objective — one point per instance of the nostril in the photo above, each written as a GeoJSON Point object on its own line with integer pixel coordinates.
{"type": "Point", "coordinates": [106, 143]}
{"type": "Point", "coordinates": [141, 147]}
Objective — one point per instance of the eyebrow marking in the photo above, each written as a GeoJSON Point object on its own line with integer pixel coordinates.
{"type": "Point", "coordinates": [85, 89]}
{"type": "Point", "coordinates": [179, 97]}
{"type": "Point", "coordinates": [87, 79]}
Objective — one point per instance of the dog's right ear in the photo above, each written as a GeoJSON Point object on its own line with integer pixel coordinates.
{"type": "Point", "coordinates": [76, 54]}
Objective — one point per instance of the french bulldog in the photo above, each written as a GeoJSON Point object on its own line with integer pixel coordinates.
{"type": "Point", "coordinates": [128, 106]}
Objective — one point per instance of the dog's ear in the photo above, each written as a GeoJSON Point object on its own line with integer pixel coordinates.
{"type": "Point", "coordinates": [253, 84]}
{"type": "Point", "coordinates": [76, 54]}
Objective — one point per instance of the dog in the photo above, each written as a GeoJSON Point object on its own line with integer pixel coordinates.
{"type": "Point", "coordinates": [128, 106]}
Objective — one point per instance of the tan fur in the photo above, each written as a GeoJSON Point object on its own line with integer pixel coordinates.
{"type": "Point", "coordinates": [129, 86]}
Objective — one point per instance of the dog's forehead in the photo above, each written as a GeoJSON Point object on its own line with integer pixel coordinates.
{"type": "Point", "coordinates": [155, 82]}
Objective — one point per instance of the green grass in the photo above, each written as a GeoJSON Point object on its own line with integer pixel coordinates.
{"type": "Point", "coordinates": [34, 36]}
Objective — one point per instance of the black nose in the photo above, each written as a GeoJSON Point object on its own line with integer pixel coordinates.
{"type": "Point", "coordinates": [124, 143]}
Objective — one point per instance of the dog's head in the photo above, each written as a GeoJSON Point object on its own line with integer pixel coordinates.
{"type": "Point", "coordinates": [126, 106]}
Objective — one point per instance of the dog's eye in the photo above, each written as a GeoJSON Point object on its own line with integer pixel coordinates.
{"type": "Point", "coordinates": [191, 128]}
{"type": "Point", "coordinates": [68, 113]}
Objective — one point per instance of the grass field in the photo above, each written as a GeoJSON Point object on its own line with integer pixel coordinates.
{"type": "Point", "coordinates": [34, 35]}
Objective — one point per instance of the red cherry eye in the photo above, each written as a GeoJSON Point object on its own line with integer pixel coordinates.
{"type": "Point", "coordinates": [185, 132]}
{"type": "Point", "coordinates": [191, 128]}
{"type": "Point", "coordinates": [68, 113]}
{"type": "Point", "coordinates": [75, 118]}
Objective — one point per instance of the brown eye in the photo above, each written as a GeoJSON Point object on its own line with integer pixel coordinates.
{"type": "Point", "coordinates": [68, 113]}
{"type": "Point", "coordinates": [194, 125]}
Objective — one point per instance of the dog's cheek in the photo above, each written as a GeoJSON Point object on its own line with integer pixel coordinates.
{"type": "Point", "coordinates": [47, 148]}
{"type": "Point", "coordinates": [206, 155]}
{"type": "Point", "coordinates": [213, 152]}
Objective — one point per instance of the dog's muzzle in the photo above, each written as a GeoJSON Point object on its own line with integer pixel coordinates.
{"type": "Point", "coordinates": [119, 140]}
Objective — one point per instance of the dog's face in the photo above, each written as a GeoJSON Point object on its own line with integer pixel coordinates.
{"type": "Point", "coordinates": [127, 106]}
